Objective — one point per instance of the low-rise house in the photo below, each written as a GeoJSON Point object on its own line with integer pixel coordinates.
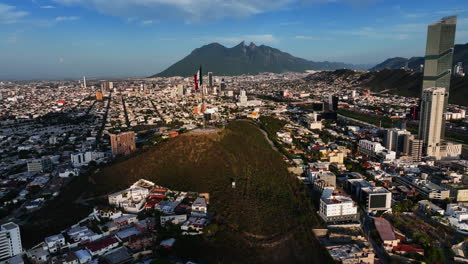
{"type": "Point", "coordinates": [427, 205]}
{"type": "Point", "coordinates": [55, 242]}
{"type": "Point", "coordinates": [405, 249]}
{"type": "Point", "coordinates": [118, 256]}
{"type": "Point", "coordinates": [194, 225]}
{"type": "Point", "coordinates": [174, 219]}
{"type": "Point", "coordinates": [126, 220]}
{"type": "Point", "coordinates": [82, 233]}
{"type": "Point", "coordinates": [100, 247]}
{"type": "Point", "coordinates": [67, 258]}
{"type": "Point", "coordinates": [140, 241]}
{"type": "Point", "coordinates": [83, 256]}
{"type": "Point", "coordinates": [168, 243]}
{"type": "Point", "coordinates": [199, 207]}
{"type": "Point", "coordinates": [130, 200]}
{"type": "Point", "coordinates": [38, 255]}
{"type": "Point", "coordinates": [145, 224]}
{"type": "Point", "coordinates": [106, 212]}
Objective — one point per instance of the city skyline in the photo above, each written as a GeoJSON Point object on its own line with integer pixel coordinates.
{"type": "Point", "coordinates": [57, 39]}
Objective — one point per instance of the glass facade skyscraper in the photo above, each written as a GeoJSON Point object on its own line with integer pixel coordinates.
{"type": "Point", "coordinates": [439, 56]}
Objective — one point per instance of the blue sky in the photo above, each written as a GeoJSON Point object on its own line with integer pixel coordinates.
{"type": "Point", "coordinates": [47, 39]}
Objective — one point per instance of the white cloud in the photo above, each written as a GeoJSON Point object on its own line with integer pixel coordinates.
{"type": "Point", "coordinates": [373, 33]}
{"type": "Point", "coordinates": [196, 10]}
{"type": "Point", "coordinates": [12, 39]}
{"type": "Point", "coordinates": [147, 22]}
{"type": "Point", "coordinates": [10, 15]}
{"type": "Point", "coordinates": [47, 7]}
{"type": "Point", "coordinates": [190, 10]}
{"type": "Point", "coordinates": [311, 38]}
{"type": "Point", "coordinates": [66, 18]}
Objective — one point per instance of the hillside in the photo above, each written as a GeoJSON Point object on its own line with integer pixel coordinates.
{"type": "Point", "coordinates": [399, 82]}
{"type": "Point", "coordinates": [460, 55]}
{"type": "Point", "coordinates": [267, 218]}
{"type": "Point", "coordinates": [407, 83]}
{"type": "Point", "coordinates": [244, 59]}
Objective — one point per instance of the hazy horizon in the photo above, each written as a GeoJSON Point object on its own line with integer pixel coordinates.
{"type": "Point", "coordinates": [61, 39]}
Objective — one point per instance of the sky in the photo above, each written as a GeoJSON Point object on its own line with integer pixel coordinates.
{"type": "Point", "coordinates": [58, 39]}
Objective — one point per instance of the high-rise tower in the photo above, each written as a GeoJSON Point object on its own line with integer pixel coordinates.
{"type": "Point", "coordinates": [439, 56]}
{"type": "Point", "coordinates": [432, 119]}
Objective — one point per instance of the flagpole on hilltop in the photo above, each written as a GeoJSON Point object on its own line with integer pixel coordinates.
{"type": "Point", "coordinates": [203, 97]}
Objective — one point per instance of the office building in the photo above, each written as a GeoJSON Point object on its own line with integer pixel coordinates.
{"type": "Point", "coordinates": [84, 158]}
{"type": "Point", "coordinates": [10, 240]}
{"type": "Point", "coordinates": [84, 82]}
{"type": "Point", "coordinates": [39, 165]}
{"type": "Point", "coordinates": [123, 143]}
{"type": "Point", "coordinates": [424, 186]}
{"type": "Point", "coordinates": [320, 178]}
{"type": "Point", "coordinates": [414, 113]}
{"type": "Point", "coordinates": [376, 199]}
{"type": "Point", "coordinates": [439, 56]}
{"type": "Point", "coordinates": [107, 86]}
{"type": "Point", "coordinates": [210, 79]}
{"type": "Point", "coordinates": [180, 90]}
{"type": "Point", "coordinates": [223, 85]}
{"type": "Point", "coordinates": [395, 139]}
{"type": "Point", "coordinates": [413, 147]}
{"type": "Point", "coordinates": [332, 103]}
{"type": "Point", "coordinates": [431, 121]}
{"type": "Point", "coordinates": [243, 97]}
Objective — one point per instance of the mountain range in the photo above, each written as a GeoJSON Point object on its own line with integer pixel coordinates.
{"type": "Point", "coordinates": [460, 55]}
{"type": "Point", "coordinates": [246, 59]}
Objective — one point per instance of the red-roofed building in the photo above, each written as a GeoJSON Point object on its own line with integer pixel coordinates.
{"type": "Point", "coordinates": [403, 249]}
{"type": "Point", "coordinates": [101, 246]}
{"type": "Point", "coordinates": [386, 233]}
{"type": "Point", "coordinates": [151, 202]}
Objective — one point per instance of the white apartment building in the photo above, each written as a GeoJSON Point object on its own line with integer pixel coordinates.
{"type": "Point", "coordinates": [370, 147]}
{"type": "Point", "coordinates": [337, 208]}
{"type": "Point", "coordinates": [130, 200]}
{"type": "Point", "coordinates": [80, 159]}
{"type": "Point", "coordinates": [10, 240]}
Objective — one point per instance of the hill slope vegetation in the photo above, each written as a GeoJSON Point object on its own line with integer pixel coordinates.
{"type": "Point", "coordinates": [399, 82]}
{"type": "Point", "coordinates": [267, 218]}
{"type": "Point", "coordinates": [460, 55]}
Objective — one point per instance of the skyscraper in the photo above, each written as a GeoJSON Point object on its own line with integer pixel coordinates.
{"type": "Point", "coordinates": [210, 79]}
{"type": "Point", "coordinates": [84, 82]}
{"type": "Point", "coordinates": [243, 97]}
{"type": "Point", "coordinates": [432, 119]}
{"type": "Point", "coordinates": [332, 103]}
{"type": "Point", "coordinates": [439, 56]}
{"type": "Point", "coordinates": [10, 240]}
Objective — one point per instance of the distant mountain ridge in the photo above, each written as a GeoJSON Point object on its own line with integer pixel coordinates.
{"type": "Point", "coordinates": [460, 55]}
{"type": "Point", "coordinates": [398, 81]}
{"type": "Point", "coordinates": [246, 59]}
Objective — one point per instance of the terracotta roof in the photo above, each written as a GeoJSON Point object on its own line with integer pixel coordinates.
{"type": "Point", "coordinates": [100, 244]}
